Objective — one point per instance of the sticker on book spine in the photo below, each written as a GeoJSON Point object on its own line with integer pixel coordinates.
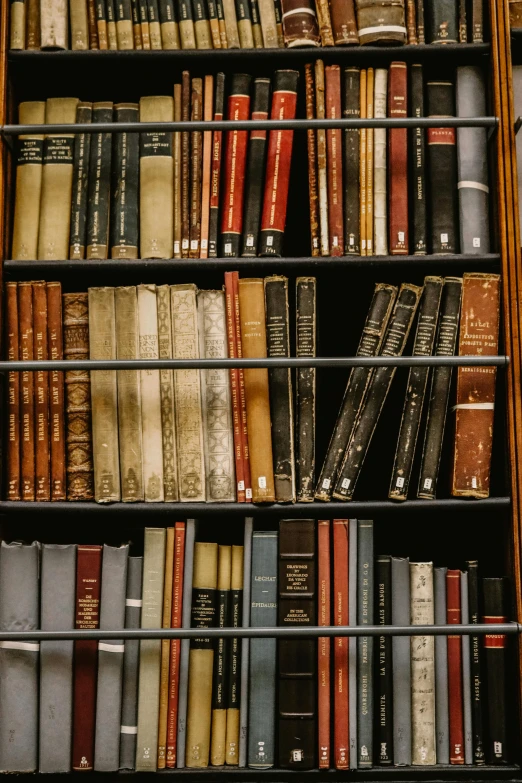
{"type": "Point", "coordinates": [326, 483]}
{"type": "Point", "coordinates": [262, 482]}
{"type": "Point", "coordinates": [248, 493]}
{"type": "Point", "coordinates": [427, 483]}
{"type": "Point", "coordinates": [240, 486]}
{"type": "Point", "coordinates": [476, 241]}
{"type": "Point", "coordinates": [400, 482]}
{"type": "Point", "coordinates": [345, 483]}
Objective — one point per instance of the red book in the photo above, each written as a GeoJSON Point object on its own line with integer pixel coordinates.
{"type": "Point", "coordinates": [235, 164]}
{"type": "Point", "coordinates": [340, 602]}
{"type": "Point", "coordinates": [234, 387]}
{"type": "Point", "coordinates": [456, 719]}
{"type": "Point", "coordinates": [88, 583]}
{"type": "Point", "coordinates": [242, 398]}
{"type": "Point", "coordinates": [13, 401]}
{"type": "Point", "coordinates": [175, 645]}
{"type": "Point", "coordinates": [25, 327]}
{"type": "Point", "coordinates": [323, 650]}
{"type": "Point", "coordinates": [334, 152]}
{"type": "Point", "coordinates": [398, 160]}
{"type": "Point", "coordinates": [56, 391]}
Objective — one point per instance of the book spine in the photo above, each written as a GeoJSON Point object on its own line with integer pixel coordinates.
{"type": "Point", "coordinates": [352, 644]}
{"type": "Point", "coordinates": [136, 25]}
{"type": "Point", "coordinates": [279, 158]}
{"type": "Point", "coordinates": [187, 32]}
{"type": "Point", "coordinates": [398, 141]}
{"type": "Point", "coordinates": [229, 12]}
{"type": "Point", "coordinates": [344, 26]}
{"type": "Point", "coordinates": [13, 449]}
{"type": "Point", "coordinates": [324, 21]}
{"type": "Point", "coordinates": [29, 171]}
{"type": "Point", "coordinates": [466, 672]}
{"type": "Point", "coordinates": [208, 107]}
{"type": "Point", "coordinates": [256, 24]}
{"type": "Point", "coordinates": [422, 666]}
{"type": "Point", "coordinates": [442, 159]}
{"type": "Point", "coordinates": [255, 170]}
{"type": "Point", "coordinates": [278, 8]}
{"type": "Point", "coordinates": [476, 656]}
{"type": "Point", "coordinates": [245, 643]}
{"type": "Point", "coordinates": [322, 168]}
{"type": "Point", "coordinates": [93, 30]}
{"type": "Point", "coordinates": [411, 22]}
{"type": "Point", "coordinates": [234, 389]}
{"type": "Point", "coordinates": [323, 643]}
{"type": "Point", "coordinates": [99, 186]}
{"type": "Point", "coordinates": [442, 22]}
{"type": "Point", "coordinates": [334, 154]}
{"type": "Point", "coordinates": [477, 22]}
{"type": "Point", "coordinates": [418, 164]}
{"type": "Point", "coordinates": [221, 661]}
{"type": "Point", "coordinates": [154, 24]}
{"type": "Point", "coordinates": [268, 24]}
{"type": "Point", "coordinates": [124, 26]}
{"type": "Point", "coordinates": [167, 397]}
{"type": "Point", "coordinates": [156, 180]}
{"type": "Point", "coordinates": [82, 152]}
{"type": "Point", "coordinates": [370, 98]}
{"type": "Point", "coordinates": [185, 165]}
{"type": "Point", "coordinates": [312, 160]}
{"type": "Point", "coordinates": [215, 173]}
{"type": "Point", "coordinates": [242, 392]}
{"type": "Point", "coordinates": [33, 24]}
{"type": "Point", "coordinates": [297, 721]}
{"type": "Point", "coordinates": [419, 18]}
{"type": "Point", "coordinates": [351, 109]}
{"type": "Point", "coordinates": [27, 384]}
{"type": "Point", "coordinates": [495, 659]}
{"type": "Point", "coordinates": [244, 24]}
{"type": "Point", "coordinates": [129, 701]}
{"type": "Point", "coordinates": [177, 159]}
{"type": "Point", "coordinates": [101, 23]}
{"type": "Point", "coordinates": [384, 681]}
{"type": "Point", "coordinates": [175, 644]}
{"type": "Point", "coordinates": [381, 24]}
{"type": "Point", "coordinates": [306, 328]}
{"type": "Point", "coordinates": [365, 608]}
{"type": "Point", "coordinates": [169, 25]}
{"type": "Point", "coordinates": [401, 657]}
{"type": "Point", "coordinates": [379, 165]}
{"type": "Point", "coordinates": [17, 28]}
{"type": "Point", "coordinates": [144, 23]}
{"type": "Point", "coordinates": [463, 26]}
{"type": "Point", "coordinates": [124, 218]}
{"type": "Point", "coordinates": [111, 25]}
{"type": "Point", "coordinates": [415, 389]}
{"type": "Point", "coordinates": [234, 680]}
{"type": "Point", "coordinates": [441, 671]}
{"type": "Point", "coordinates": [362, 162]}
{"type": "Point", "coordinates": [440, 387]}
{"type": "Point", "coordinates": [456, 722]}
{"type": "Point", "coordinates": [341, 748]}
{"type": "Point", "coordinates": [88, 576]}
{"type": "Point", "coordinates": [235, 163]}
{"type": "Point", "coordinates": [165, 650]}
{"type": "Point", "coordinates": [41, 394]}
{"type": "Point", "coordinates": [214, 23]}
{"type": "Point", "coordinates": [196, 161]}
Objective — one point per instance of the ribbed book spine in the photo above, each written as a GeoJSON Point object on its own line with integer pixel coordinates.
{"type": "Point", "coordinates": [129, 701]}
{"type": "Point", "coordinates": [384, 681]}
{"type": "Point", "coordinates": [401, 657]}
{"type": "Point", "coordinates": [422, 666]}
{"type": "Point", "coordinates": [13, 394]}
{"type": "Point", "coordinates": [334, 155]}
{"type": "Point", "coordinates": [234, 680]}
{"type": "Point", "coordinates": [417, 184]}
{"type": "Point", "coordinates": [234, 167]}
{"type": "Point", "coordinates": [442, 22]}
{"type": "Point", "coordinates": [26, 353]}
{"type": "Point", "coordinates": [98, 193]}
{"type": "Point", "coordinates": [300, 26]}
{"type": "Point", "coordinates": [215, 172]}
{"type": "Point", "coordinates": [206, 165]}
{"type": "Point", "coordinates": [80, 183]}
{"type": "Point", "coordinates": [466, 671]}
{"type": "Point", "coordinates": [175, 644]}
{"type": "Point", "coordinates": [124, 219]}
{"type": "Point", "coordinates": [441, 670]}
{"type": "Point", "coordinates": [494, 592]}
{"type": "Point", "coordinates": [456, 719]}
{"type": "Point", "coordinates": [56, 392]}
{"type": "Point", "coordinates": [185, 165]}
{"type": "Point", "coordinates": [398, 172]}
{"type": "Point", "coordinates": [365, 609]}
{"type": "Point", "coordinates": [351, 145]}
{"type": "Point", "coordinates": [476, 660]}
{"type": "Point", "coordinates": [167, 397]}
{"type": "Point", "coordinates": [221, 671]}
{"type": "Point", "coordinates": [411, 26]}
{"type": "Point", "coordinates": [311, 141]}
{"type": "Point", "coordinates": [41, 394]}
{"type": "Point", "coordinates": [111, 24]}
{"type": "Point", "coordinates": [341, 748]}
{"type": "Point", "coordinates": [306, 328]}
{"type": "Point", "coordinates": [29, 169]}
{"type": "Point", "coordinates": [442, 159]}
{"type": "Point", "coordinates": [255, 170]}
{"type": "Point", "coordinates": [380, 212]}
{"type": "Point", "coordinates": [324, 612]}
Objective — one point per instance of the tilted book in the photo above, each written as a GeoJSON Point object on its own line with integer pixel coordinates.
{"type": "Point", "coordinates": [80, 184]}
{"type": "Point", "coordinates": [167, 395]}
{"type": "Point", "coordinates": [305, 345]}
{"type": "Point", "coordinates": [422, 666]}
{"type": "Point", "coordinates": [131, 655]}
{"type": "Point", "coordinates": [29, 167]}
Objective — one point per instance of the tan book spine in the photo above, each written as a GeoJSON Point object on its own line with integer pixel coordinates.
{"type": "Point", "coordinates": [150, 396]}
{"type": "Point", "coordinates": [144, 23]}
{"type": "Point", "coordinates": [229, 11]}
{"type": "Point", "coordinates": [253, 338]}
{"type": "Point", "coordinates": [312, 160]}
{"type": "Point", "coordinates": [101, 24]}
{"type": "Point", "coordinates": [136, 25]}
{"type": "Point", "coordinates": [362, 169]}
{"type": "Point", "coordinates": [41, 393]}
{"type": "Point", "coordinates": [369, 162]}
{"type": "Point", "coordinates": [17, 30]}
{"type": "Point", "coordinates": [268, 24]}
{"type": "Point", "coordinates": [207, 164]}
{"type": "Point", "coordinates": [322, 173]}
{"type": "Point", "coordinates": [219, 704]}
{"type": "Point", "coordinates": [422, 666]}
{"type": "Point", "coordinates": [124, 26]}
{"type": "Point", "coordinates": [325, 22]}
{"type": "Point", "coordinates": [411, 22]}
{"type": "Point", "coordinates": [56, 392]}
{"type": "Point", "coordinates": [79, 23]}
{"type": "Point", "coordinates": [154, 27]}
{"type": "Point", "coordinates": [32, 24]}
{"type": "Point", "coordinates": [246, 36]}
{"type": "Point", "coordinates": [222, 26]}
{"type": "Point", "coordinates": [165, 651]}
{"type": "Point", "coordinates": [201, 657]}
{"type": "Point", "coordinates": [156, 180]}
{"type": "Point", "coordinates": [129, 395]}
{"type": "Point", "coordinates": [236, 590]}
{"type": "Point", "coordinates": [13, 394]}
{"type": "Point", "coordinates": [185, 166]}
{"type": "Point", "coordinates": [170, 34]}
{"type": "Point", "coordinates": [176, 145]}
{"type": "Point", "coordinates": [187, 32]}
{"type": "Point", "coordinates": [380, 169]}
{"type": "Point", "coordinates": [195, 169]}
{"type": "Point", "coordinates": [28, 184]}
{"type": "Point", "coordinates": [112, 34]}
{"type": "Point", "coordinates": [53, 24]}
{"type": "Point", "coordinates": [25, 327]}
{"type": "Point", "coordinates": [168, 410]}
{"type": "Point", "coordinates": [102, 345]}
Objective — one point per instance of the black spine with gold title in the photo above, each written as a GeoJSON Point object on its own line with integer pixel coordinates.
{"type": "Point", "coordinates": [125, 186]}
{"type": "Point", "coordinates": [99, 185]}
{"type": "Point", "coordinates": [82, 147]}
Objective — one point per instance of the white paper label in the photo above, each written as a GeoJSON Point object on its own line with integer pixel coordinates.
{"type": "Point", "coordinates": [476, 241]}
{"type": "Point", "coordinates": [228, 247]}
{"type": "Point", "coordinates": [345, 483]}
{"type": "Point", "coordinates": [427, 483]}
{"type": "Point", "coordinates": [204, 244]}
{"type": "Point", "coordinates": [400, 482]}
{"type": "Point", "coordinates": [194, 244]}
{"type": "Point", "coordinates": [444, 238]}
{"type": "Point", "coordinates": [326, 483]}
{"type": "Point", "coordinates": [241, 485]}
{"type": "Point", "coordinates": [250, 241]}
{"type": "Point", "coordinates": [185, 244]}
{"type": "Point", "coordinates": [248, 493]}
{"type": "Point", "coordinates": [401, 236]}
{"type": "Point", "coordinates": [262, 482]}
{"type": "Point", "coordinates": [269, 241]}
{"type": "Point", "coordinates": [474, 482]}
{"type": "Point", "coordinates": [176, 247]}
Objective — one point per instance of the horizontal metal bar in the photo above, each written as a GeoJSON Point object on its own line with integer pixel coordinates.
{"type": "Point", "coordinates": [212, 364]}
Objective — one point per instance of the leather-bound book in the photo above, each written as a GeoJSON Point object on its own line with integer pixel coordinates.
{"type": "Point", "coordinates": [456, 718]}
{"type": "Point", "coordinates": [165, 650]}
{"type": "Point", "coordinates": [175, 644]}
{"type": "Point", "coordinates": [169, 25]}
{"type": "Point", "coordinates": [213, 21]}
{"type": "Point", "coordinates": [351, 137]}
{"type": "Point", "coordinates": [79, 463]}
{"type": "Point", "coordinates": [234, 170]}
{"type": "Point", "coordinates": [384, 681]}
{"type": "Point", "coordinates": [156, 180]}
{"type": "Point", "coordinates": [415, 389]}
{"type": "Point", "coordinates": [268, 24]}
{"type": "Point", "coordinates": [93, 28]}
{"type": "Point", "coordinates": [256, 25]}
{"type": "Point", "coordinates": [27, 388]}
{"type": "Point", "coordinates": [442, 180]}
{"type": "Point", "coordinates": [101, 23]}
{"type": "Point", "coordinates": [32, 24]}
{"type": "Point", "coordinates": [472, 162]}
{"type": "Point", "coordinates": [79, 24]}
{"type": "Point", "coordinates": [234, 680]}
{"type": "Point", "coordinates": [322, 164]}
{"type": "Point", "coordinates": [382, 23]}
{"type": "Point", "coordinates": [422, 666]}
{"type": "Point", "coordinates": [99, 186]}
{"type": "Point", "coordinates": [167, 396]}
{"type": "Point", "coordinates": [344, 25]}
{"type": "Point", "coordinates": [255, 170]}
{"type": "Point", "coordinates": [394, 343]}
{"type": "Point", "coordinates": [234, 389]}
{"type": "Point", "coordinates": [17, 28]}
{"type": "Point", "coordinates": [300, 26]}
{"type": "Point", "coordinates": [297, 711]}
{"type": "Point", "coordinates": [111, 25]}
{"type": "Point", "coordinates": [14, 430]}
{"type": "Point", "coordinates": [247, 472]}
{"type": "Point", "coordinates": [136, 26]}
{"type": "Point", "coordinates": [41, 394]}
{"type": "Point", "coordinates": [254, 344]}
{"type": "Point", "coordinates": [305, 345]}
{"type": "Point", "coordinates": [80, 183]}
{"type": "Point", "coordinates": [419, 19]}
{"type": "Point", "coordinates": [221, 661]}
{"type": "Point", "coordinates": [215, 172]}
{"type": "Point", "coordinates": [515, 15]}
{"type": "Point", "coordinates": [441, 670]}
{"type": "Point", "coordinates": [324, 618]}
{"type": "Point", "coordinates": [187, 32]}
{"type": "Point", "coordinates": [154, 24]}
{"type": "Point", "coordinates": [476, 663]}
{"type": "Point", "coordinates": [365, 658]}
{"type": "Point", "coordinates": [185, 165]}
{"type": "Point", "coordinates": [362, 161]}
{"type": "Point", "coordinates": [196, 160]}
{"type": "Point", "coordinates": [176, 143]}
{"type": "Point", "coordinates": [495, 655]}
{"type": "Point", "coordinates": [370, 103]}
{"type": "Point", "coordinates": [129, 701]}
{"type": "Point", "coordinates": [401, 658]}
{"type": "Point", "coordinates": [335, 166]}
{"type": "Point", "coordinates": [124, 218]}
{"type": "Point", "coordinates": [466, 672]}
{"type": "Point", "coordinates": [279, 158]}
{"type": "Point", "coordinates": [55, 203]}
{"type": "Point", "coordinates": [29, 162]}
{"type": "Point", "coordinates": [232, 32]}
{"type": "Point", "coordinates": [398, 167]}
{"type": "Point", "coordinates": [280, 386]}
{"type": "Point", "coordinates": [369, 345]}
{"type": "Point", "coordinates": [341, 747]}
{"type": "Point", "coordinates": [463, 25]}
{"type": "Point", "coordinates": [124, 27]}
{"type": "Point", "coordinates": [477, 21]}
{"type": "Point", "coordinates": [144, 23]}
{"type": "Point", "coordinates": [311, 143]}
{"type": "Point", "coordinates": [278, 8]}
{"type": "Point", "coordinates": [476, 386]}
{"type": "Point", "coordinates": [417, 183]}
{"type": "Point", "coordinates": [244, 24]}
{"type": "Point", "coordinates": [442, 21]}
{"type": "Point", "coordinates": [411, 21]}
{"type": "Point", "coordinates": [380, 211]}
{"type": "Point", "coordinates": [440, 388]}
{"type": "Point", "coordinates": [206, 165]}
{"type": "Point", "coordinates": [244, 620]}
{"type": "Point", "coordinates": [324, 20]}
{"type": "Point", "coordinates": [88, 586]}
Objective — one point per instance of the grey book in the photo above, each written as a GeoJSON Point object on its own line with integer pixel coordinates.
{"type": "Point", "coordinates": [110, 659]}
{"type": "Point", "coordinates": [365, 608]}
{"type": "Point", "coordinates": [401, 663]}
{"type": "Point", "coordinates": [131, 657]}
{"type": "Point", "coordinates": [19, 604]}
{"type": "Point", "coordinates": [466, 671]}
{"type": "Point", "coordinates": [352, 642]}
{"type": "Point", "coordinates": [190, 535]}
{"type": "Point", "coordinates": [441, 671]}
{"type": "Point", "coordinates": [58, 590]}
{"type": "Point", "coordinates": [517, 96]}
{"type": "Point", "coordinates": [245, 643]}
{"type": "Point", "coordinates": [263, 652]}
{"type": "Point", "coordinates": [472, 162]}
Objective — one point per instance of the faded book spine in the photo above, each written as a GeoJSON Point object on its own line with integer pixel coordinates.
{"type": "Point", "coordinates": [419, 19]}
{"type": "Point", "coordinates": [215, 171]}
{"type": "Point", "coordinates": [124, 26]}
{"type": "Point", "coordinates": [175, 644]}
{"type": "Point", "coordinates": [244, 24]}
{"type": "Point", "coordinates": [144, 23]}
{"type": "Point", "coordinates": [177, 161]}
{"type": "Point", "coordinates": [476, 663]}
{"type": "Point", "coordinates": [244, 620]}
{"type": "Point", "coordinates": [213, 18]}
{"type": "Point", "coordinates": [268, 24]}
{"type": "Point", "coordinates": [185, 166]}
{"type": "Point", "coordinates": [99, 186]}
{"type": "Point", "coordinates": [334, 155]}
{"type": "Point", "coordinates": [167, 396]}
{"type": "Point", "coordinates": [136, 25]}
{"type": "Point", "coordinates": [124, 218]}
{"type": "Point", "coordinates": [370, 103]}
{"type": "Point", "coordinates": [362, 162]}
{"type": "Point", "coordinates": [221, 660]}
{"type": "Point", "coordinates": [165, 649]}
{"type": "Point", "coordinates": [82, 148]}
{"type": "Point", "coordinates": [306, 328]}
{"type": "Point", "coordinates": [41, 394]}
{"type": "Point", "coordinates": [201, 25]}
{"type": "Point", "coordinates": [154, 24]}
{"type": "Point", "coordinates": [365, 658]}
{"type": "Point", "coordinates": [111, 25]}
{"type": "Point", "coordinates": [56, 392]}
{"type": "Point", "coordinates": [417, 183]}
{"type": "Point", "coordinates": [341, 747]}
{"type": "Point", "coordinates": [380, 211]}
{"type": "Point", "coordinates": [232, 32]}
{"type": "Point", "coordinates": [33, 24]}
{"type": "Point", "coordinates": [398, 167]}
{"type": "Point", "coordinates": [29, 169]}
{"type": "Point", "coordinates": [101, 23]}
{"type": "Point", "coordinates": [186, 25]}
{"type": "Point", "coordinates": [312, 160]}
{"type": "Point", "coordinates": [79, 24]}
{"type": "Point", "coordinates": [129, 701]}
{"type": "Point", "coordinates": [232, 749]}
{"type": "Point", "coordinates": [422, 666]}
{"type": "Point", "coordinates": [401, 657]}
{"type": "Point", "coordinates": [324, 618]}
{"type": "Point", "coordinates": [14, 489]}
{"type": "Point", "coordinates": [242, 392]}
{"type": "Point", "coordinates": [351, 109]}
{"type": "Point", "coordinates": [344, 26]}
{"type": "Point", "coordinates": [27, 428]}
{"type": "Point", "coordinates": [442, 159]}
{"type": "Point", "coordinates": [255, 170]}
{"type": "Point", "coordinates": [411, 22]}
{"type": "Point", "coordinates": [384, 681]}
{"type": "Point", "coordinates": [93, 30]}
{"type": "Point", "coordinates": [17, 28]}
{"type": "Point", "coordinates": [234, 171]}
{"type": "Point", "coordinates": [477, 21]}
{"type": "Point", "coordinates": [169, 25]}
{"type": "Point", "coordinates": [300, 26]}
{"type": "Point", "coordinates": [322, 167]}
{"type": "Point", "coordinates": [384, 23]}
{"type": "Point", "coordinates": [208, 107]}
{"type": "Point", "coordinates": [196, 160]}
{"type": "Point", "coordinates": [456, 718]}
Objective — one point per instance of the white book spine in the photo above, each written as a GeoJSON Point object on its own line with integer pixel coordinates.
{"type": "Point", "coordinates": [380, 220]}
{"type": "Point", "coordinates": [422, 666]}
{"type": "Point", "coordinates": [53, 24]}
{"type": "Point", "coordinates": [168, 411]}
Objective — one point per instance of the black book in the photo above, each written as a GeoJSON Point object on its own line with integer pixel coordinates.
{"type": "Point", "coordinates": [99, 185]}
{"type": "Point", "coordinates": [442, 21]}
{"type": "Point", "coordinates": [440, 387]}
{"type": "Point", "coordinates": [82, 147]}
{"type": "Point", "coordinates": [297, 706]}
{"type": "Point", "coordinates": [217, 156]}
{"type": "Point", "coordinates": [477, 695]}
{"type": "Point", "coordinates": [351, 162]}
{"type": "Point", "coordinates": [255, 171]}
{"type": "Point", "coordinates": [369, 345]}
{"type": "Point", "coordinates": [393, 345]}
{"type": "Point", "coordinates": [306, 327]}
{"type": "Point", "coordinates": [442, 179]}
{"type": "Point", "coordinates": [383, 661]}
{"type": "Point", "coordinates": [125, 185]}
{"type": "Point", "coordinates": [418, 164]}
{"type": "Point", "coordinates": [494, 602]}
{"type": "Point", "coordinates": [280, 387]}
{"type": "Point", "coordinates": [416, 389]}
{"type": "Point", "coordinates": [154, 24]}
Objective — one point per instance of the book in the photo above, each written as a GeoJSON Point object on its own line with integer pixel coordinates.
{"type": "Point", "coordinates": [441, 670]}
{"type": "Point", "coordinates": [245, 449]}
{"type": "Point", "coordinates": [111, 25]}
{"type": "Point", "coordinates": [234, 389]}
{"type": "Point", "coordinates": [201, 25]}
{"type": "Point", "coordinates": [196, 160]}
{"type": "Point", "coordinates": [17, 28]}
{"type": "Point", "coordinates": [423, 738]}
{"type": "Point", "coordinates": [175, 644]}
{"type": "Point", "coordinates": [351, 153]}
{"type": "Point", "coordinates": [352, 644]}
{"type": "Point", "coordinates": [255, 169]}
{"type": "Point", "coordinates": [13, 444]}
{"type": "Point", "coordinates": [476, 386]}
{"type": "Point", "coordinates": [365, 657]}
{"type": "Point", "coordinates": [234, 167]}
{"type": "Point", "coordinates": [124, 26]}
{"type": "Point", "coordinates": [384, 679]}
{"type": "Point", "coordinates": [26, 353]}
{"type": "Point", "coordinates": [154, 24]}
{"type": "Point", "coordinates": [80, 183]}
{"type": "Point", "coordinates": [185, 165]}
{"type": "Point", "coordinates": [144, 23]}
{"type": "Point", "coordinates": [167, 397]}
{"type": "Point", "coordinates": [411, 22]}
{"type": "Point", "coordinates": [256, 24]}
{"type": "Point", "coordinates": [442, 160]}
{"type": "Point", "coordinates": [169, 25]}
{"type": "Point", "coordinates": [177, 160]}
{"type": "Point", "coordinates": [300, 26]}
{"type": "Point", "coordinates": [324, 618]}
{"type": "Point", "coordinates": [41, 394]}
{"type": "Point", "coordinates": [206, 165]}
{"type": "Point", "coordinates": [215, 174]}
{"type": "Point", "coordinates": [129, 700]}
{"type": "Point", "coordinates": [476, 664]}
{"type": "Point", "coordinates": [456, 721]}
{"type": "Point", "coordinates": [494, 601]}
{"type": "Point", "coordinates": [466, 671]}
{"type": "Point", "coordinates": [79, 25]}
{"type": "Point", "coordinates": [93, 29]}
{"type": "Point", "coordinates": [324, 21]}
{"type": "Point", "coordinates": [165, 649]}
{"type": "Point", "coordinates": [56, 392]}
{"type": "Point", "coordinates": [306, 328]}
{"type": "Point", "coordinates": [344, 26]}
{"type": "Point", "coordinates": [362, 161]}
{"type": "Point", "coordinates": [384, 24]}
{"type": "Point", "coordinates": [232, 32]}
{"type": "Point", "coordinates": [322, 167]}
{"type": "Point", "coordinates": [334, 157]}
{"type": "Point", "coordinates": [28, 187]}
{"type": "Point", "coordinates": [477, 22]}
{"type": "Point", "coordinates": [419, 20]}
{"type": "Point", "coordinates": [245, 643]}
{"type": "Point", "coordinates": [398, 166]}
{"type": "Point", "coordinates": [380, 217]}
{"type": "Point", "coordinates": [442, 23]}
{"type": "Point", "coordinates": [124, 218]}
{"type": "Point", "coordinates": [417, 183]}
{"type": "Point", "coordinates": [98, 193]}
{"type": "Point", "coordinates": [101, 23]}
{"type": "Point", "coordinates": [33, 24]}
{"type": "Point", "coordinates": [221, 660]}
{"type": "Point", "coordinates": [341, 749]}
{"type": "Point", "coordinates": [53, 24]}
{"type": "Point", "coordinates": [186, 618]}
{"type": "Point", "coordinates": [401, 657]}
{"type": "Point", "coordinates": [234, 679]}
{"type": "Point", "coordinates": [370, 103]}
{"type": "Point", "coordinates": [312, 159]}
{"type": "Point", "coordinates": [136, 25]}
{"type": "Point", "coordinates": [214, 23]}
{"type": "Point", "coordinates": [268, 23]}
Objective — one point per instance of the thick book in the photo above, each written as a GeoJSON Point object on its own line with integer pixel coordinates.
{"type": "Point", "coordinates": [476, 662]}
{"type": "Point", "coordinates": [98, 194]}
{"type": "Point", "coordinates": [440, 387]}
{"type": "Point", "coordinates": [56, 392]}
{"type": "Point", "coordinates": [466, 671]}
{"type": "Point", "coordinates": [442, 22]}
{"type": "Point", "coordinates": [351, 143]}
{"type": "Point", "coordinates": [401, 657]}
{"type": "Point", "coordinates": [441, 670]}
{"type": "Point", "coordinates": [311, 144]}
{"type": "Point", "coordinates": [456, 716]}
{"type": "Point", "coordinates": [156, 180]}
{"type": "Point", "coordinates": [13, 442]}
{"type": "Point", "coordinates": [88, 586]}
{"type": "Point", "coordinates": [365, 645]}
{"type": "Point", "coordinates": [131, 655]}
{"type": "Point", "coordinates": [234, 678]}
{"type": "Point", "coordinates": [255, 170]}
{"type": "Point", "coordinates": [29, 168]}
{"type": "Point", "coordinates": [475, 403]}
{"type": "Point", "coordinates": [245, 643]}
{"type": "Point", "coordinates": [165, 649]}
{"type": "Point", "coordinates": [80, 185]}
{"type": "Point", "coordinates": [175, 644]}
{"type": "Point", "coordinates": [324, 618]}
{"type": "Point", "coordinates": [341, 747]}
{"type": "Point", "coordinates": [384, 678]}
{"type": "Point", "coordinates": [196, 160]}
{"type": "Point", "coordinates": [442, 160]}
{"type": "Point", "coordinates": [322, 163]}
{"type": "Point", "coordinates": [305, 387]}
{"type": "Point", "coordinates": [494, 608]}
{"type": "Point", "coordinates": [398, 154]}
{"type": "Point", "coordinates": [17, 25]}
{"type": "Point", "coordinates": [297, 713]}
{"type": "Point", "coordinates": [334, 156]}
{"type": "Point", "coordinates": [352, 644]}
{"type": "Point", "coordinates": [186, 617]}
{"type": "Point", "coordinates": [26, 353]}
{"type": "Point", "coordinates": [215, 172]}
{"type": "Point", "coordinates": [380, 185]}
{"type": "Point", "coordinates": [417, 153]}
{"type": "Point", "coordinates": [300, 26]}
{"type": "Point", "coordinates": [19, 611]}
{"type": "Point", "coordinates": [41, 394]}
{"type": "Point", "coordinates": [235, 157]}
{"type": "Point", "coordinates": [167, 397]}
{"type": "Point", "coordinates": [384, 23]}
{"type": "Point", "coordinates": [221, 671]}
{"type": "Point", "coordinates": [124, 218]}
{"type": "Point", "coordinates": [344, 25]}
{"type": "Point", "coordinates": [423, 739]}
{"type": "Point", "coordinates": [53, 24]}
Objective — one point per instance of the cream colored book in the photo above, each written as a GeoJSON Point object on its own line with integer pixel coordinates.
{"type": "Point", "coordinates": [79, 24]}
{"type": "Point", "coordinates": [221, 659]}
{"type": "Point", "coordinates": [236, 588]}
{"type": "Point", "coordinates": [54, 22]}
{"type": "Point", "coordinates": [187, 34]}
{"type": "Point", "coordinates": [203, 34]}
{"type": "Point", "coordinates": [17, 32]}
{"type": "Point", "coordinates": [370, 90]}
{"type": "Point", "coordinates": [176, 144]}
{"type": "Point", "coordinates": [168, 410]}
{"type": "Point", "coordinates": [28, 184]}
{"type": "Point", "coordinates": [155, 33]}
{"type": "Point", "coordinates": [229, 12]}
{"type": "Point", "coordinates": [422, 666]}
{"type": "Point", "coordinates": [150, 396]}
{"type": "Point", "coordinates": [104, 401]}
{"type": "Point", "coordinates": [322, 179]}
{"type": "Point", "coordinates": [380, 222]}
{"type": "Point", "coordinates": [268, 24]}
{"type": "Point", "coordinates": [165, 651]}
{"type": "Point", "coordinates": [170, 34]}
{"type": "Point", "coordinates": [124, 32]}
{"type": "Point", "coordinates": [187, 385]}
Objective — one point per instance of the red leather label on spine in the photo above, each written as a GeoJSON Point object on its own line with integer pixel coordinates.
{"type": "Point", "coordinates": [234, 388]}
{"type": "Point", "coordinates": [340, 612]}
{"type": "Point", "coordinates": [335, 164]}
{"type": "Point", "coordinates": [235, 162]}
{"type": "Point", "coordinates": [217, 143]}
{"type": "Point", "coordinates": [175, 645]}
{"type": "Point", "coordinates": [398, 165]}
{"type": "Point", "coordinates": [495, 641]}
{"type": "Point", "coordinates": [456, 720]}
{"type": "Point", "coordinates": [259, 115]}
{"type": "Point", "coordinates": [278, 163]}
{"type": "Point", "coordinates": [323, 645]}
{"type": "Point", "coordinates": [441, 135]}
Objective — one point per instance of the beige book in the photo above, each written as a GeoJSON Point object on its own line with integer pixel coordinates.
{"type": "Point", "coordinates": [370, 82]}
{"type": "Point", "coordinates": [28, 184]}
{"type": "Point", "coordinates": [176, 145]}
{"type": "Point", "coordinates": [112, 35]}
{"type": "Point", "coordinates": [53, 24]}
{"type": "Point", "coordinates": [187, 385]}
{"type": "Point", "coordinates": [168, 411]}
{"type": "Point", "coordinates": [156, 180]}
{"type": "Point", "coordinates": [17, 31]}
{"type": "Point", "coordinates": [208, 107]}
{"type": "Point", "coordinates": [150, 650]}
{"type": "Point", "coordinates": [104, 402]}
{"type": "Point", "coordinates": [219, 712]}
{"type": "Point", "coordinates": [268, 24]}
{"type": "Point", "coordinates": [362, 161]}
{"type": "Point", "coordinates": [145, 34]}
{"type": "Point", "coordinates": [165, 651]}
{"type": "Point", "coordinates": [246, 35]}
{"type": "Point", "coordinates": [322, 178]}
{"type": "Point", "coordinates": [422, 666]}
{"type": "Point", "coordinates": [150, 396]}
{"type": "Point", "coordinates": [129, 395]}
{"type": "Point", "coordinates": [222, 32]}
{"type": "Point", "coordinates": [203, 34]}
{"type": "Point", "coordinates": [155, 34]}
{"type": "Point", "coordinates": [232, 740]}
{"type": "Point", "coordinates": [229, 12]}
{"type": "Point", "coordinates": [201, 659]}
{"type": "Point", "coordinates": [187, 34]}
{"type": "Point", "coordinates": [79, 24]}
{"type": "Point", "coordinates": [57, 177]}
{"type": "Point", "coordinates": [124, 34]}
{"type": "Point", "coordinates": [170, 35]}
{"type": "Point", "coordinates": [380, 222]}
{"type": "Point", "coordinates": [214, 32]}
{"type": "Point", "coordinates": [215, 392]}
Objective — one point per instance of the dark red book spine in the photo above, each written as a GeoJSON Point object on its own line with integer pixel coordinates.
{"type": "Point", "coordinates": [334, 151]}
{"type": "Point", "coordinates": [235, 165]}
{"type": "Point", "coordinates": [242, 397]}
{"type": "Point", "coordinates": [323, 648]}
{"type": "Point", "coordinates": [456, 719]}
{"type": "Point", "coordinates": [25, 315]}
{"type": "Point", "coordinates": [234, 387]}
{"type": "Point", "coordinates": [215, 169]}
{"type": "Point", "coordinates": [340, 602]}
{"type": "Point", "coordinates": [13, 395]}
{"type": "Point", "coordinates": [41, 397]}
{"type": "Point", "coordinates": [88, 583]}
{"type": "Point", "coordinates": [398, 164]}
{"type": "Point", "coordinates": [56, 391]}
{"type": "Point", "coordinates": [175, 645]}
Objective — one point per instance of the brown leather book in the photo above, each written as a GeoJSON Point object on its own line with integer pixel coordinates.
{"type": "Point", "coordinates": [175, 644]}
{"type": "Point", "coordinates": [185, 166]}
{"type": "Point", "coordinates": [343, 22]}
{"type": "Point", "coordinates": [253, 338]}
{"type": "Point", "coordinates": [32, 21]}
{"type": "Point", "coordinates": [382, 22]}
{"type": "Point", "coordinates": [322, 168]}
{"type": "Point", "coordinates": [398, 160]}
{"type": "Point", "coordinates": [196, 169]}
{"type": "Point", "coordinates": [456, 719]}
{"type": "Point", "coordinates": [411, 22]}
{"type": "Point", "coordinates": [300, 26]}
{"type": "Point", "coordinates": [335, 161]}
{"type": "Point", "coordinates": [13, 394]}
{"type": "Point", "coordinates": [41, 395]}
{"type": "Point", "coordinates": [165, 650]}
{"type": "Point", "coordinates": [325, 22]}
{"type": "Point", "coordinates": [474, 410]}
{"type": "Point", "coordinates": [208, 98]}
{"type": "Point", "coordinates": [242, 395]}
{"type": "Point", "coordinates": [234, 388]}
{"type": "Point", "coordinates": [25, 327]}
{"type": "Point", "coordinates": [93, 28]}
{"type": "Point", "coordinates": [56, 392]}
{"type": "Point", "coordinates": [136, 25]}
{"type": "Point", "coordinates": [312, 160]}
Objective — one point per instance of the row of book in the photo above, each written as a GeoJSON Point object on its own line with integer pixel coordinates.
{"type": "Point", "coordinates": [342, 702]}
{"type": "Point", "coordinates": [245, 24]}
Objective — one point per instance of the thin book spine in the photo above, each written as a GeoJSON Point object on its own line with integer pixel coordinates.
{"type": "Point", "coordinates": [322, 168]}
{"type": "Point", "coordinates": [477, 22]}
{"type": "Point", "coordinates": [129, 702]}
{"type": "Point", "coordinates": [352, 644]}
{"type": "Point", "coordinates": [365, 658]}
{"type": "Point", "coordinates": [136, 26]}
{"type": "Point", "coordinates": [242, 392]}
{"type": "Point", "coordinates": [245, 643]}
{"type": "Point", "coordinates": [214, 23]}
{"type": "Point", "coordinates": [82, 147]}
{"type": "Point", "coordinates": [351, 155]}
{"type": "Point", "coordinates": [235, 649]}
{"type": "Point", "coordinates": [384, 679]}
{"type": "Point", "coordinates": [417, 182]}
{"type": "Point", "coordinates": [215, 174]}
{"type": "Point", "coordinates": [124, 216]}
{"type": "Point", "coordinates": [257, 34]}
{"type": "Point", "coordinates": [411, 21]}
{"type": "Point", "coordinates": [255, 170]}
{"type": "Point", "coordinates": [456, 721]}
{"type": "Point", "coordinates": [476, 661]}
{"type": "Point", "coordinates": [175, 644]}
{"type": "Point", "coordinates": [234, 389]}
{"type": "Point", "coordinates": [185, 166]}
{"type": "Point", "coordinates": [362, 162]}
{"type": "Point", "coordinates": [33, 20]}
{"type": "Point", "coordinates": [370, 97]}
{"type": "Point", "coordinates": [144, 23]}
{"type": "Point", "coordinates": [306, 338]}
{"type": "Point", "coordinates": [29, 174]}
{"type": "Point", "coordinates": [422, 666]}
{"type": "Point", "coordinates": [98, 195]}
{"type": "Point", "coordinates": [380, 172]}
{"type": "Point", "coordinates": [419, 19]}
{"type": "Point", "coordinates": [323, 643]}
{"type": "Point", "coordinates": [167, 396]}
{"type": "Point", "coordinates": [41, 394]}
{"type": "Point", "coordinates": [463, 24]}
{"type": "Point", "coordinates": [312, 160]}
{"type": "Point", "coordinates": [93, 29]}
{"type": "Point", "coordinates": [221, 661]}
{"type": "Point", "coordinates": [466, 672]}
{"type": "Point", "coordinates": [27, 385]}
{"type": "Point", "coordinates": [341, 747]}
{"type": "Point", "coordinates": [196, 170]}
{"type": "Point", "coordinates": [494, 608]}
{"type": "Point", "coordinates": [334, 155]}
{"type": "Point", "coordinates": [13, 471]}
{"type": "Point", "coordinates": [442, 160]}
{"type": "Point", "coordinates": [176, 142]}
{"type": "Point", "coordinates": [441, 670]}
{"type": "Point", "coordinates": [401, 657]}
{"type": "Point", "coordinates": [244, 24]}
{"type": "Point", "coordinates": [208, 97]}
{"type": "Point", "coordinates": [187, 31]}
{"type": "Point", "coordinates": [154, 24]}
{"type": "Point", "coordinates": [398, 166]}
{"type": "Point", "coordinates": [165, 650]}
